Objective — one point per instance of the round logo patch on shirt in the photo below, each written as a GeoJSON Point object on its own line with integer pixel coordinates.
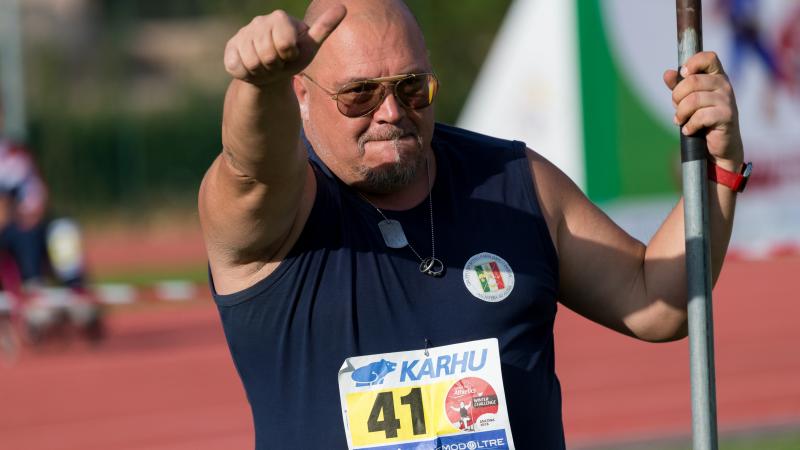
{"type": "Point", "coordinates": [488, 277]}
{"type": "Point", "coordinates": [471, 404]}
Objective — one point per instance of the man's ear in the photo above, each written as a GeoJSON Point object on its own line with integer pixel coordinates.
{"type": "Point", "coordinates": [301, 93]}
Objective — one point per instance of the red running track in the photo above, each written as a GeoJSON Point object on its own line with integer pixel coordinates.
{"type": "Point", "coordinates": [618, 389]}
{"type": "Point", "coordinates": [164, 379]}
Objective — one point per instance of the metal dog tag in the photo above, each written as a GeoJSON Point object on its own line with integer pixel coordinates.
{"type": "Point", "coordinates": [393, 234]}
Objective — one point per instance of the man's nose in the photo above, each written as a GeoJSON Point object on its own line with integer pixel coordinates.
{"type": "Point", "coordinates": [390, 110]}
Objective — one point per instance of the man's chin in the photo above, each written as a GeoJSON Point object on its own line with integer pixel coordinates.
{"type": "Point", "coordinates": [386, 178]}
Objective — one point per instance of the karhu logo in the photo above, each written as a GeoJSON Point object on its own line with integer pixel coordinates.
{"type": "Point", "coordinates": [373, 374]}
{"type": "Point", "coordinates": [444, 365]}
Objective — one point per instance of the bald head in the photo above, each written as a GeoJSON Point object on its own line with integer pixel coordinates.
{"type": "Point", "coordinates": [369, 25]}
{"type": "Point", "coordinates": [359, 7]}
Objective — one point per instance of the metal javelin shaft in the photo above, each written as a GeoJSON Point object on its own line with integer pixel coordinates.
{"type": "Point", "coordinates": [698, 262]}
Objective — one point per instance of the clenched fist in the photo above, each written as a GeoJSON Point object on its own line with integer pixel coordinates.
{"type": "Point", "coordinates": [277, 46]}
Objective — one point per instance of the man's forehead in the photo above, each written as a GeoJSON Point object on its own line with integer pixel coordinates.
{"type": "Point", "coordinates": [358, 7]}
{"type": "Point", "coordinates": [375, 39]}
{"type": "Point", "coordinates": [376, 16]}
{"type": "Point", "coordinates": [368, 59]}
{"type": "Point", "coordinates": [340, 80]}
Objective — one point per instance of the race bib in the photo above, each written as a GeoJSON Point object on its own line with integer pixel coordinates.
{"type": "Point", "coordinates": [441, 398]}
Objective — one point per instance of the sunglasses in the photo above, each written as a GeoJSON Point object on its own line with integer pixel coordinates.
{"type": "Point", "coordinates": [359, 98]}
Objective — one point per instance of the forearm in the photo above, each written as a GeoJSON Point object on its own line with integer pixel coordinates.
{"type": "Point", "coordinates": [665, 257]}
{"type": "Point", "coordinates": [261, 129]}
{"type": "Point", "coordinates": [704, 105]}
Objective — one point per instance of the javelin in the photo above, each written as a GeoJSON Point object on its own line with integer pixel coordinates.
{"type": "Point", "coordinates": [698, 264]}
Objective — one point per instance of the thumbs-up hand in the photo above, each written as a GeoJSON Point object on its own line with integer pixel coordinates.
{"type": "Point", "coordinates": [277, 46]}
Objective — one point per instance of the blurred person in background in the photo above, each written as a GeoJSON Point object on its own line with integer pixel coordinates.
{"type": "Point", "coordinates": [340, 220]}
{"type": "Point", "coordinates": [23, 205]}
{"type": "Point", "coordinates": [43, 252]}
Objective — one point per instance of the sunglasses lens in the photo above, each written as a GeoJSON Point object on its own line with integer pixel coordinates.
{"type": "Point", "coordinates": [418, 91]}
{"type": "Point", "coordinates": [359, 98]}
{"type": "Point", "coordinates": [356, 99]}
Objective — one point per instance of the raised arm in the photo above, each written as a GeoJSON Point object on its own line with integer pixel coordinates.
{"type": "Point", "coordinates": [255, 193]}
{"type": "Point", "coordinates": [610, 277]}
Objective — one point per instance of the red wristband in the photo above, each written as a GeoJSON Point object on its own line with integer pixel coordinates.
{"type": "Point", "coordinates": [735, 181]}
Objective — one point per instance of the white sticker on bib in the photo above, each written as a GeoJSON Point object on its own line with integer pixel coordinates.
{"type": "Point", "coordinates": [488, 277]}
{"type": "Point", "coordinates": [449, 397]}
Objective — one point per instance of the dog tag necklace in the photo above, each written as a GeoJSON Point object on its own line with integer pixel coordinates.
{"type": "Point", "coordinates": [395, 237]}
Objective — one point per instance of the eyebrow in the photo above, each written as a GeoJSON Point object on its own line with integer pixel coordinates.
{"type": "Point", "coordinates": [341, 84]}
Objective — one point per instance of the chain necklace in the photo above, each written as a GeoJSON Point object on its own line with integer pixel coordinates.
{"type": "Point", "coordinates": [395, 237]}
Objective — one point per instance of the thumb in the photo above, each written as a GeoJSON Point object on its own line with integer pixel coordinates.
{"type": "Point", "coordinates": [671, 79]}
{"type": "Point", "coordinates": [326, 23]}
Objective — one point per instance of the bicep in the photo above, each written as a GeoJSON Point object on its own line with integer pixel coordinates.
{"type": "Point", "coordinates": [600, 265]}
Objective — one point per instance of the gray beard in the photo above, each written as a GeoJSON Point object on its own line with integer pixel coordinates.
{"type": "Point", "coordinates": [389, 178]}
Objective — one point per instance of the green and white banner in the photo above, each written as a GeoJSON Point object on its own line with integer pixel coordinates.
{"type": "Point", "coordinates": [580, 81]}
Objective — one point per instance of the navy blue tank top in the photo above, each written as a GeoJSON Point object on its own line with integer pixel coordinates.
{"type": "Point", "coordinates": [341, 292]}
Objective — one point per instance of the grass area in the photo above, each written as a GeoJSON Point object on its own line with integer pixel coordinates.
{"type": "Point", "coordinates": [146, 276]}
{"type": "Point", "coordinates": [779, 440]}
{"type": "Point", "coordinates": [788, 442]}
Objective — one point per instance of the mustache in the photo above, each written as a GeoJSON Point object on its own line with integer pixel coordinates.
{"type": "Point", "coordinates": [385, 133]}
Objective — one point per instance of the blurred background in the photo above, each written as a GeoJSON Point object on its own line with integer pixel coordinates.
{"type": "Point", "coordinates": [123, 98]}
{"type": "Point", "coordinates": [119, 102]}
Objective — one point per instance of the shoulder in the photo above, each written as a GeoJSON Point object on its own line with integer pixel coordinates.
{"type": "Point", "coordinates": [478, 154]}
{"type": "Point", "coordinates": [553, 187]}
{"type": "Point", "coordinates": [451, 135]}
{"type": "Point", "coordinates": [547, 177]}
{"type": "Point", "coordinates": [484, 155]}
{"type": "Point", "coordinates": [556, 193]}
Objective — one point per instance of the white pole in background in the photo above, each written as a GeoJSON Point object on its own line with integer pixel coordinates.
{"type": "Point", "coordinates": [12, 80]}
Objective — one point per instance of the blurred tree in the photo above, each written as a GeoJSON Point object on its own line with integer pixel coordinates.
{"type": "Point", "coordinates": [131, 121]}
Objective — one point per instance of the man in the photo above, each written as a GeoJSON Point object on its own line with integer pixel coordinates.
{"type": "Point", "coordinates": [385, 232]}
{"type": "Point", "coordinates": [23, 203]}
{"type": "Point", "coordinates": [42, 249]}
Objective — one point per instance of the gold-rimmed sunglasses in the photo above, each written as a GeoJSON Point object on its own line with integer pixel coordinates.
{"type": "Point", "coordinates": [359, 98]}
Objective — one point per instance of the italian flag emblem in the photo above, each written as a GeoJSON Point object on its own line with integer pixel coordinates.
{"type": "Point", "coordinates": [490, 277]}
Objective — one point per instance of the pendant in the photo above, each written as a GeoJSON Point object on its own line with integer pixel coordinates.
{"type": "Point", "coordinates": [393, 234]}
{"type": "Point", "coordinates": [432, 266]}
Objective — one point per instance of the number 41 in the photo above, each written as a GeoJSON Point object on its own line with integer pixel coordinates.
{"type": "Point", "coordinates": [390, 424]}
